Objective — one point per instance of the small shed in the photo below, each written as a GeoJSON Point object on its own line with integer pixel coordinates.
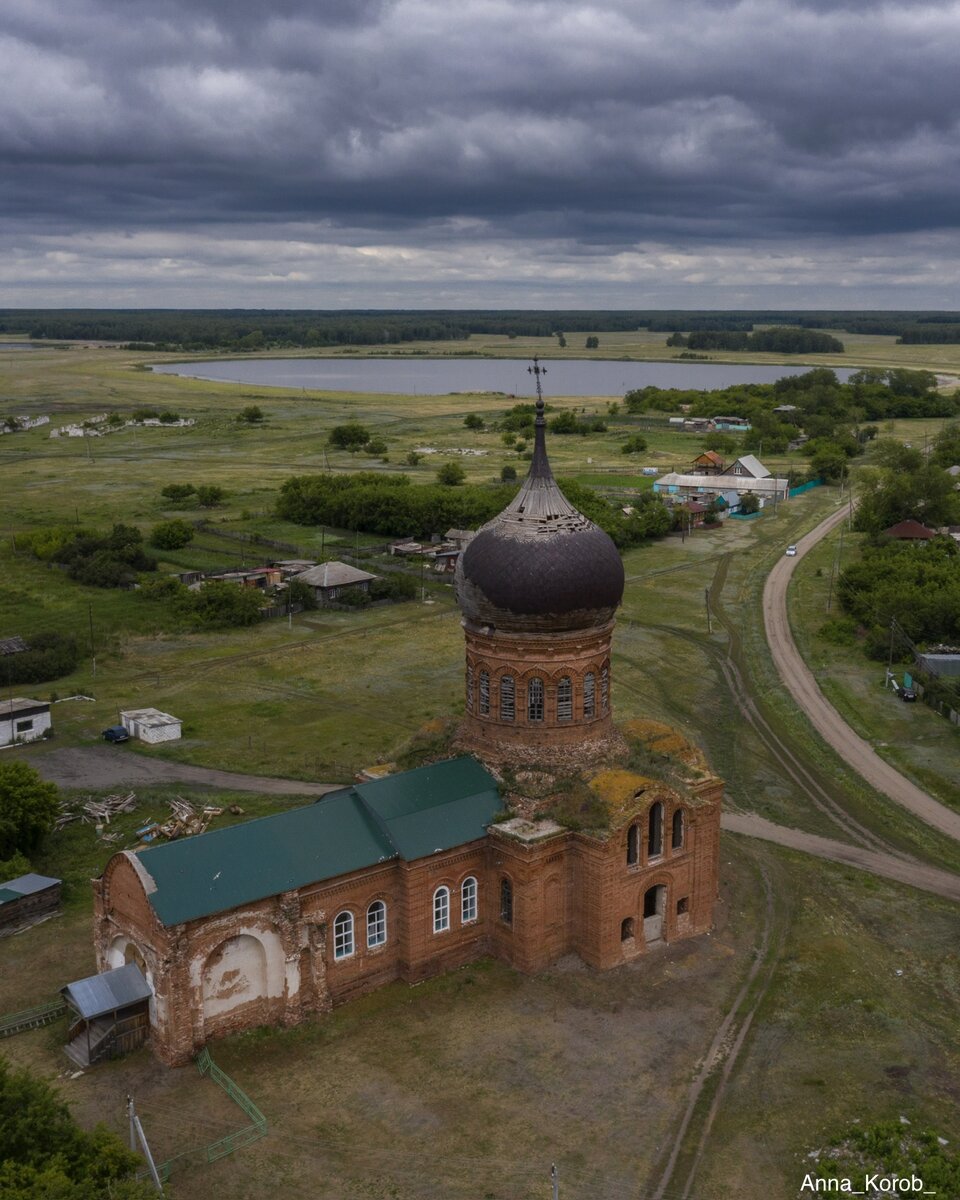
{"type": "Point", "coordinates": [110, 1014]}
{"type": "Point", "coordinates": [13, 645]}
{"type": "Point", "coordinates": [23, 720]}
{"type": "Point", "coordinates": [26, 900]}
{"type": "Point", "coordinates": [461, 538]}
{"type": "Point", "coordinates": [331, 579]}
{"type": "Point", "coordinates": [151, 725]}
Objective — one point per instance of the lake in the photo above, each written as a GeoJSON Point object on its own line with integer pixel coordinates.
{"type": "Point", "coordinates": [443, 376]}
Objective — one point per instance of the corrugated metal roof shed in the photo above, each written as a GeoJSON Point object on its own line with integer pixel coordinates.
{"type": "Point", "coordinates": [27, 885]}
{"type": "Point", "coordinates": [12, 645]}
{"type": "Point", "coordinates": [99, 994]}
{"type": "Point", "coordinates": [410, 815]}
{"type": "Point", "coordinates": [333, 574]}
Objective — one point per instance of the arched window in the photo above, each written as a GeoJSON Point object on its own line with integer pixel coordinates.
{"type": "Point", "coordinates": [535, 700]}
{"type": "Point", "coordinates": [589, 694]}
{"type": "Point", "coordinates": [655, 830]}
{"type": "Point", "coordinates": [626, 929]}
{"type": "Point", "coordinates": [469, 687]}
{"type": "Point", "coordinates": [604, 691]}
{"type": "Point", "coordinates": [633, 845]}
{"type": "Point", "coordinates": [508, 698]}
{"type": "Point", "coordinates": [441, 909]}
{"type": "Point", "coordinates": [506, 901]}
{"type": "Point", "coordinates": [565, 699]}
{"type": "Point", "coordinates": [376, 924]}
{"type": "Point", "coordinates": [343, 944]}
{"type": "Point", "coordinates": [484, 693]}
{"type": "Point", "coordinates": [676, 842]}
{"type": "Point", "coordinates": [468, 900]}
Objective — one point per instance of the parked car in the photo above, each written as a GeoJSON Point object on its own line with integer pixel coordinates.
{"type": "Point", "coordinates": [791, 552]}
{"type": "Point", "coordinates": [116, 733]}
{"type": "Point", "coordinates": [908, 695]}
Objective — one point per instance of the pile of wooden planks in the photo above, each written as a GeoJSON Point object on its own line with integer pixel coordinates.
{"type": "Point", "coordinates": [95, 812]}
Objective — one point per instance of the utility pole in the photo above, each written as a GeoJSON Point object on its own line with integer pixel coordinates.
{"type": "Point", "coordinates": [555, 1180]}
{"type": "Point", "coordinates": [706, 593]}
{"type": "Point", "coordinates": [93, 649]}
{"type": "Point", "coordinates": [137, 1134]}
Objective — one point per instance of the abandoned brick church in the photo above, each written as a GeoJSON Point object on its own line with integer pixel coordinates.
{"type": "Point", "coordinates": [280, 918]}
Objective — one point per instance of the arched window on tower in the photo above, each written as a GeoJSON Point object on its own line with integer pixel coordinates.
{"type": "Point", "coordinates": [604, 691]}
{"type": "Point", "coordinates": [633, 845]}
{"type": "Point", "coordinates": [508, 698]}
{"type": "Point", "coordinates": [565, 699]}
{"type": "Point", "coordinates": [676, 842]}
{"type": "Point", "coordinates": [589, 695]}
{"type": "Point", "coordinates": [655, 831]}
{"type": "Point", "coordinates": [484, 694]}
{"type": "Point", "coordinates": [469, 687]}
{"type": "Point", "coordinates": [535, 700]}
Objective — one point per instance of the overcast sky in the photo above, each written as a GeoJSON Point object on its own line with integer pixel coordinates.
{"type": "Point", "coordinates": [479, 153]}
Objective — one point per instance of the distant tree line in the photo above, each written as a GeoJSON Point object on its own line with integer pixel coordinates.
{"type": "Point", "coordinates": [242, 330]}
{"type": "Point", "coordinates": [782, 340]}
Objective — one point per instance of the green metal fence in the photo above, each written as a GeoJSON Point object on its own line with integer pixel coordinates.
{"type": "Point", "coordinates": [232, 1141]}
{"type": "Point", "coordinates": [31, 1018]}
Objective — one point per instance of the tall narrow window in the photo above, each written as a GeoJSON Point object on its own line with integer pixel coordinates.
{"type": "Point", "coordinates": [655, 831]}
{"type": "Point", "coordinates": [343, 945]}
{"type": "Point", "coordinates": [441, 909]}
{"type": "Point", "coordinates": [468, 900]}
{"type": "Point", "coordinates": [589, 694]}
{"type": "Point", "coordinates": [565, 699]}
{"type": "Point", "coordinates": [535, 700]}
{"type": "Point", "coordinates": [506, 901]}
{"type": "Point", "coordinates": [376, 924]}
{"type": "Point", "coordinates": [677, 840]}
{"type": "Point", "coordinates": [604, 691]}
{"type": "Point", "coordinates": [469, 687]}
{"type": "Point", "coordinates": [484, 694]}
{"type": "Point", "coordinates": [633, 845]}
{"type": "Point", "coordinates": [508, 698]}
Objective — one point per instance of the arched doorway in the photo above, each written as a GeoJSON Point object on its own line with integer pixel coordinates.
{"type": "Point", "coordinates": [654, 906]}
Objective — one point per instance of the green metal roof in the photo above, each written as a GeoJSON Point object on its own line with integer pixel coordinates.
{"type": "Point", "coordinates": [7, 894]}
{"type": "Point", "coordinates": [407, 816]}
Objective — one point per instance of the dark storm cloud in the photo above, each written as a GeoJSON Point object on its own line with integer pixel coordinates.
{"type": "Point", "coordinates": [418, 123]}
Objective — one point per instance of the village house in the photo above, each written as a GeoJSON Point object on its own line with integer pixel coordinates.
{"type": "Point", "coordinates": [23, 720]}
{"type": "Point", "coordinates": [331, 580]}
{"type": "Point", "coordinates": [910, 531]}
{"type": "Point", "coordinates": [707, 463]}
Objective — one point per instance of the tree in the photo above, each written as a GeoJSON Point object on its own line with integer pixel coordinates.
{"type": "Point", "coordinates": [451, 474]}
{"type": "Point", "coordinates": [721, 443]}
{"type": "Point", "coordinates": [376, 448]}
{"type": "Point", "coordinates": [561, 341]}
{"type": "Point", "coordinates": [171, 535]}
{"type": "Point", "coordinates": [218, 604]}
{"type": "Point", "coordinates": [252, 414]}
{"type": "Point", "coordinates": [592, 343]}
{"type": "Point", "coordinates": [413, 457]}
{"type": "Point", "coordinates": [350, 437]}
{"type": "Point", "coordinates": [46, 1154]}
{"type": "Point", "coordinates": [168, 417]}
{"type": "Point", "coordinates": [473, 421]}
{"type": "Point", "coordinates": [301, 593]}
{"type": "Point", "coordinates": [508, 474]}
{"type": "Point", "coordinates": [28, 808]}
{"type": "Point", "coordinates": [829, 463]}
{"type": "Point", "coordinates": [634, 445]}
{"type": "Point", "coordinates": [749, 504]}
{"type": "Point", "coordinates": [209, 495]}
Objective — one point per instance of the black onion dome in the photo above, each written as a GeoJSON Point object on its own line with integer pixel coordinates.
{"type": "Point", "coordinates": [540, 564]}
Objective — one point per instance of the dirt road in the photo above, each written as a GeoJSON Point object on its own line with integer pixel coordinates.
{"type": "Point", "coordinates": [889, 866]}
{"type": "Point", "coordinates": [98, 767]}
{"type": "Point", "coordinates": [799, 680]}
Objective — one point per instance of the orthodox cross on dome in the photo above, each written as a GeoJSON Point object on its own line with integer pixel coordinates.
{"type": "Point", "coordinates": [536, 371]}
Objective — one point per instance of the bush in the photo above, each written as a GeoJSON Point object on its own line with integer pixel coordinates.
{"type": "Point", "coordinates": [473, 421]}
{"type": "Point", "coordinates": [394, 587]}
{"type": "Point", "coordinates": [28, 808]}
{"type": "Point", "coordinates": [301, 593]}
{"type": "Point", "coordinates": [451, 474]}
{"type": "Point", "coordinates": [841, 631]}
{"type": "Point", "coordinates": [49, 656]}
{"type": "Point", "coordinates": [145, 414]}
{"type": "Point", "coordinates": [376, 447]}
{"type": "Point", "coordinates": [171, 535]}
{"type": "Point", "coordinates": [508, 474]}
{"type": "Point", "coordinates": [219, 605]}
{"type": "Point", "coordinates": [210, 495]}
{"type": "Point", "coordinates": [634, 445]}
{"type": "Point", "coordinates": [413, 458]}
{"type": "Point", "coordinates": [169, 417]}
{"type": "Point", "coordinates": [251, 415]}
{"type": "Point", "coordinates": [749, 503]}
{"type": "Point", "coordinates": [178, 492]}
{"type": "Point", "coordinates": [592, 343]}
